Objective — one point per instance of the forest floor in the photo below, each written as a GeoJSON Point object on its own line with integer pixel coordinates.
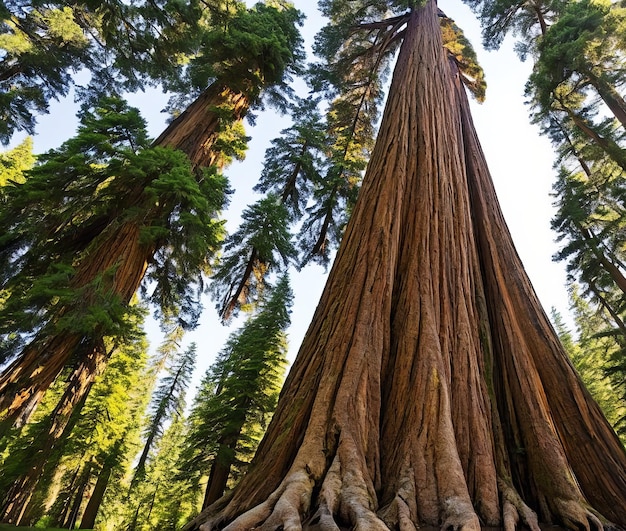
{"type": "Point", "coordinates": [8, 527]}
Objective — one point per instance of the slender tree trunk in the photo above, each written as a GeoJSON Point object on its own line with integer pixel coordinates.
{"type": "Point", "coordinates": [430, 388]}
{"type": "Point", "coordinates": [607, 264]}
{"type": "Point", "coordinates": [240, 292]}
{"type": "Point", "coordinates": [195, 132]}
{"type": "Point", "coordinates": [609, 95]}
{"type": "Point", "coordinates": [78, 497]}
{"type": "Point", "coordinates": [216, 484]}
{"type": "Point", "coordinates": [61, 506]}
{"type": "Point", "coordinates": [220, 468]}
{"type": "Point", "coordinates": [151, 506]}
{"type": "Point", "coordinates": [88, 520]}
{"type": "Point", "coordinates": [609, 146]}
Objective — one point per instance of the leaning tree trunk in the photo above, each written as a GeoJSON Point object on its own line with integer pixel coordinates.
{"type": "Point", "coordinates": [96, 497]}
{"type": "Point", "coordinates": [59, 424]}
{"type": "Point", "coordinates": [195, 132]}
{"type": "Point", "coordinates": [430, 388]}
{"type": "Point", "coordinates": [223, 462]}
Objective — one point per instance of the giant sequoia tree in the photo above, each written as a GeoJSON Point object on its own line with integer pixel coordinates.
{"type": "Point", "coordinates": [430, 388]}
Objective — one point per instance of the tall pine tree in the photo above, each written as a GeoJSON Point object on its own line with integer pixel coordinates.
{"type": "Point", "coordinates": [238, 395]}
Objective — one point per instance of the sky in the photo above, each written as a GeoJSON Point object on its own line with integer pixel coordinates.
{"type": "Point", "coordinates": [519, 158]}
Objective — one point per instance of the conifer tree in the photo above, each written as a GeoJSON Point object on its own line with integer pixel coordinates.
{"type": "Point", "coordinates": [64, 282]}
{"type": "Point", "coordinates": [107, 434]}
{"type": "Point", "coordinates": [163, 500]}
{"type": "Point", "coordinates": [260, 246]}
{"type": "Point", "coordinates": [430, 388]}
{"type": "Point", "coordinates": [162, 225]}
{"type": "Point", "coordinates": [168, 403]}
{"type": "Point", "coordinates": [238, 394]}
{"type": "Point", "coordinates": [76, 440]}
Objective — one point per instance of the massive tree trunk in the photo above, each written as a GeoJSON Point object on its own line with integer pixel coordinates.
{"type": "Point", "coordinates": [430, 388]}
{"type": "Point", "coordinates": [524, 342]}
{"type": "Point", "coordinates": [195, 132]}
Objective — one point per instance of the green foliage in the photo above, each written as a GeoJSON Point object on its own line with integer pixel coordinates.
{"type": "Point", "coordinates": [15, 162]}
{"type": "Point", "coordinates": [583, 46]}
{"type": "Point", "coordinates": [292, 164]}
{"type": "Point", "coordinates": [73, 205]}
{"type": "Point", "coordinates": [123, 45]}
{"type": "Point", "coordinates": [261, 245]}
{"type": "Point", "coordinates": [591, 222]}
{"type": "Point", "coordinates": [168, 403]}
{"type": "Point", "coordinates": [525, 19]}
{"type": "Point", "coordinates": [41, 48]}
{"type": "Point", "coordinates": [273, 53]}
{"type": "Point", "coordinates": [239, 391]}
{"type": "Point", "coordinates": [163, 500]}
{"type": "Point", "coordinates": [595, 355]}
{"type": "Point", "coordinates": [101, 432]}
{"type": "Point", "coordinates": [461, 49]}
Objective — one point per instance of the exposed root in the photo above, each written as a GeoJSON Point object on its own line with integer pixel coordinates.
{"type": "Point", "coordinates": [346, 497]}
{"type": "Point", "coordinates": [397, 515]}
{"type": "Point", "coordinates": [282, 509]}
{"type": "Point", "coordinates": [575, 516]}
{"type": "Point", "coordinates": [323, 519]}
{"type": "Point", "coordinates": [514, 509]}
{"type": "Point", "coordinates": [459, 515]}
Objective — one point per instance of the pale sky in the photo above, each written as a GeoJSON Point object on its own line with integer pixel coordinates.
{"type": "Point", "coordinates": [519, 158]}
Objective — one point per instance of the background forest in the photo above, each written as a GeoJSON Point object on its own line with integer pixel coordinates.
{"type": "Point", "coordinates": [162, 377]}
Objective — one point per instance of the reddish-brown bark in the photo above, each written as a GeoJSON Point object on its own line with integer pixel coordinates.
{"type": "Point", "coordinates": [15, 504]}
{"type": "Point", "coordinates": [430, 388]}
{"type": "Point", "coordinates": [120, 250]}
{"type": "Point", "coordinates": [121, 259]}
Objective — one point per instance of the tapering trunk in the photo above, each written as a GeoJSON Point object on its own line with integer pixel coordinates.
{"type": "Point", "coordinates": [579, 437]}
{"type": "Point", "coordinates": [609, 95]}
{"type": "Point", "coordinates": [608, 145]}
{"type": "Point", "coordinates": [216, 484]}
{"type": "Point", "coordinates": [195, 132]}
{"type": "Point", "coordinates": [239, 293]}
{"type": "Point", "coordinates": [88, 520]}
{"type": "Point", "coordinates": [197, 129]}
{"type": "Point", "coordinates": [430, 388]}
{"type": "Point", "coordinates": [61, 506]}
{"type": "Point", "coordinates": [222, 463]}
{"type": "Point", "coordinates": [32, 373]}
